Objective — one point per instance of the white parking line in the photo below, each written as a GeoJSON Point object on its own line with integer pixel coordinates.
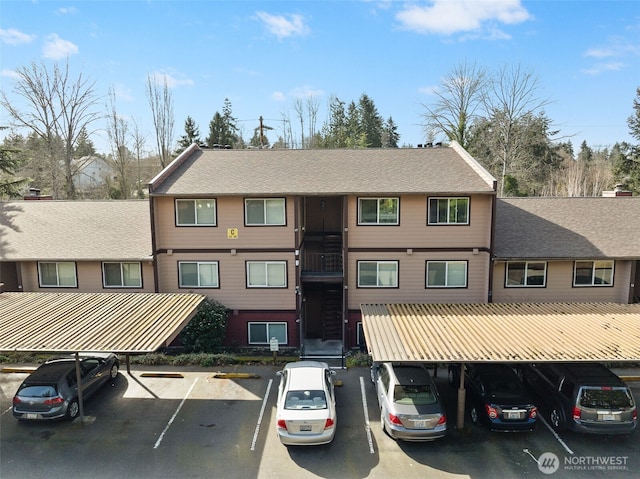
{"type": "Point", "coordinates": [566, 448]}
{"type": "Point", "coordinates": [264, 404]}
{"type": "Point", "coordinates": [175, 414]}
{"type": "Point", "coordinates": [366, 416]}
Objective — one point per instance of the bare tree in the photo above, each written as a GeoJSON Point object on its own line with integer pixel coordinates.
{"type": "Point", "coordinates": [58, 109]}
{"type": "Point", "coordinates": [458, 97]}
{"type": "Point", "coordinates": [139, 141]}
{"type": "Point", "coordinates": [161, 103]}
{"type": "Point", "coordinates": [513, 97]}
{"type": "Point", "coordinates": [298, 106]}
{"type": "Point", "coordinates": [120, 158]}
{"type": "Point", "coordinates": [313, 105]}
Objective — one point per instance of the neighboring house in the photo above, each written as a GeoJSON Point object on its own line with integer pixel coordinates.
{"type": "Point", "coordinates": [294, 241]}
{"type": "Point", "coordinates": [90, 172]}
{"type": "Point", "coordinates": [567, 250]}
{"type": "Point", "coordinates": [71, 246]}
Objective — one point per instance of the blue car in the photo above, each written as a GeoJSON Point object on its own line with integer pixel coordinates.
{"type": "Point", "coordinates": [496, 397]}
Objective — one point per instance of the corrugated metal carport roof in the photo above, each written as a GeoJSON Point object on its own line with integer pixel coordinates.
{"type": "Point", "coordinates": [513, 332]}
{"type": "Point", "coordinates": [73, 322]}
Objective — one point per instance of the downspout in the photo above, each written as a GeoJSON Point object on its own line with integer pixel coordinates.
{"type": "Point", "coordinates": [345, 272]}
{"type": "Point", "coordinates": [494, 201]}
{"type": "Point", "coordinates": [298, 258]}
{"type": "Point", "coordinates": [154, 256]}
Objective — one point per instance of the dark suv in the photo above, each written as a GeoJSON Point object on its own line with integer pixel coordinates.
{"type": "Point", "coordinates": [583, 397]}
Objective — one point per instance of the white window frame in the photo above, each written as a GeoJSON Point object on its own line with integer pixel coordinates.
{"type": "Point", "coordinates": [448, 199]}
{"type": "Point", "coordinates": [195, 202]}
{"type": "Point", "coordinates": [266, 265]}
{"type": "Point", "coordinates": [446, 279]}
{"type": "Point", "coordinates": [198, 264]}
{"type": "Point", "coordinates": [378, 264]}
{"type": "Point", "coordinates": [595, 266]}
{"type": "Point", "coordinates": [58, 285]}
{"type": "Point", "coordinates": [525, 275]}
{"type": "Point", "coordinates": [265, 202]}
{"type": "Point", "coordinates": [269, 335]}
{"type": "Point", "coordinates": [121, 264]}
{"type": "Point", "coordinates": [379, 201]}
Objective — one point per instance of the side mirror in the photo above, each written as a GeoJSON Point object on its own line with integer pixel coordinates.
{"type": "Point", "coordinates": [279, 373]}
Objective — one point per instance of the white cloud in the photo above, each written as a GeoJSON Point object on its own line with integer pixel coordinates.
{"type": "Point", "coordinates": [428, 90]}
{"type": "Point", "coordinates": [15, 37]}
{"type": "Point", "coordinates": [67, 10]}
{"type": "Point", "coordinates": [123, 93]}
{"type": "Point", "coordinates": [172, 79]}
{"type": "Point", "coordinates": [55, 48]}
{"type": "Point", "coordinates": [278, 96]}
{"type": "Point", "coordinates": [9, 74]}
{"type": "Point", "coordinates": [599, 68]}
{"type": "Point", "coordinates": [282, 27]}
{"type": "Point", "coordinates": [447, 17]}
{"type": "Point", "coordinates": [306, 92]}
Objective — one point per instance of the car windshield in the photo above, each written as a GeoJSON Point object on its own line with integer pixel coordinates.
{"type": "Point", "coordinates": [414, 394]}
{"type": "Point", "coordinates": [308, 399]}
{"type": "Point", "coordinates": [605, 398]}
{"type": "Point", "coordinates": [39, 391]}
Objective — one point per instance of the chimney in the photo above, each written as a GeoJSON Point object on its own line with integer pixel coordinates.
{"type": "Point", "coordinates": [618, 191]}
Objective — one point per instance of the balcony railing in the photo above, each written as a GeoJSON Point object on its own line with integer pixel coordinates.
{"type": "Point", "coordinates": [322, 263]}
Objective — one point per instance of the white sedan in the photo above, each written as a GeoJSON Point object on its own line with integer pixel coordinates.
{"type": "Point", "coordinates": [306, 408]}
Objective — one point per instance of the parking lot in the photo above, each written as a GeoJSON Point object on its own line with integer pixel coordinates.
{"type": "Point", "coordinates": [194, 425]}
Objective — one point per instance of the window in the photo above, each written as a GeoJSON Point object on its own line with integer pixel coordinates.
{"type": "Point", "coordinates": [531, 274]}
{"type": "Point", "coordinates": [446, 274]}
{"type": "Point", "coordinates": [57, 275]}
{"type": "Point", "coordinates": [448, 211]}
{"type": "Point", "coordinates": [378, 211]}
{"type": "Point", "coordinates": [198, 274]}
{"type": "Point", "coordinates": [593, 273]}
{"type": "Point", "coordinates": [266, 274]}
{"type": "Point", "coordinates": [261, 333]}
{"type": "Point", "coordinates": [121, 275]}
{"type": "Point", "coordinates": [196, 212]}
{"type": "Point", "coordinates": [264, 211]}
{"type": "Point", "coordinates": [377, 274]}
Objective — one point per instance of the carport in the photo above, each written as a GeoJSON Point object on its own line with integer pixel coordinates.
{"type": "Point", "coordinates": [501, 332]}
{"type": "Point", "coordinates": [122, 323]}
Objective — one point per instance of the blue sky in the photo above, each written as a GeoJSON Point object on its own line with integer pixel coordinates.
{"type": "Point", "coordinates": [263, 55]}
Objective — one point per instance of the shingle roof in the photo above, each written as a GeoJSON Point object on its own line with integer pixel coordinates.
{"type": "Point", "coordinates": [75, 230]}
{"type": "Point", "coordinates": [323, 171]}
{"type": "Point", "coordinates": [567, 228]}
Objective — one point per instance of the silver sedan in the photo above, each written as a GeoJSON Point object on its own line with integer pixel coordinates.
{"type": "Point", "coordinates": [306, 408]}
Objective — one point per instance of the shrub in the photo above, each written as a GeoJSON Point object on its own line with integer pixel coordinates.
{"type": "Point", "coordinates": [205, 332]}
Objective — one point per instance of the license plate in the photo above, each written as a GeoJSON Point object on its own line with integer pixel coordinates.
{"type": "Point", "coordinates": [31, 415]}
{"type": "Point", "coordinates": [420, 423]}
{"type": "Point", "coordinates": [608, 417]}
{"type": "Point", "coordinates": [305, 428]}
{"type": "Point", "coordinates": [513, 415]}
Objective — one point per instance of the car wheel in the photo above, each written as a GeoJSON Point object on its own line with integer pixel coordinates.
{"type": "Point", "coordinates": [557, 419]}
{"type": "Point", "coordinates": [114, 372]}
{"type": "Point", "coordinates": [473, 413]}
{"type": "Point", "coordinates": [73, 410]}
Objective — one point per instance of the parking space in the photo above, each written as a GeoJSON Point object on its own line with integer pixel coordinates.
{"type": "Point", "coordinates": [195, 425]}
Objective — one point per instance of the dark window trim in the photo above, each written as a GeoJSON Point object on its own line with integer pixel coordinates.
{"type": "Point", "coordinates": [266, 225]}
{"type": "Point", "coordinates": [75, 267]}
{"type": "Point", "coordinates": [139, 263]}
{"type": "Point", "coordinates": [539, 286]}
{"type": "Point", "coordinates": [180, 286]}
{"type": "Point", "coordinates": [196, 225]}
{"type": "Point", "coordinates": [246, 273]}
{"type": "Point", "coordinates": [468, 223]}
{"type": "Point", "coordinates": [376, 198]}
{"type": "Point", "coordinates": [593, 276]}
{"type": "Point", "coordinates": [397, 262]}
{"type": "Point", "coordinates": [426, 273]}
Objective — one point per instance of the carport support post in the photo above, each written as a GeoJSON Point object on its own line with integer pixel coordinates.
{"type": "Point", "coordinates": [78, 379]}
{"type": "Point", "coordinates": [461, 397]}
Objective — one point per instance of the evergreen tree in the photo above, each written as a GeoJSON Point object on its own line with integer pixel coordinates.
{"type": "Point", "coordinates": [9, 185]}
{"type": "Point", "coordinates": [390, 136]}
{"type": "Point", "coordinates": [371, 122]}
{"type": "Point", "coordinates": [191, 135]}
{"type": "Point", "coordinates": [84, 145]}
{"type": "Point", "coordinates": [222, 128]}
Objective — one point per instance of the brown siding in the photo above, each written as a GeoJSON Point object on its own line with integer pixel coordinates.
{"type": "Point", "coordinates": [230, 214]}
{"type": "Point", "coordinates": [412, 280]}
{"type": "Point", "coordinates": [233, 292]}
{"type": "Point", "coordinates": [89, 278]}
{"type": "Point", "coordinates": [413, 232]}
{"type": "Point", "coordinates": [559, 288]}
